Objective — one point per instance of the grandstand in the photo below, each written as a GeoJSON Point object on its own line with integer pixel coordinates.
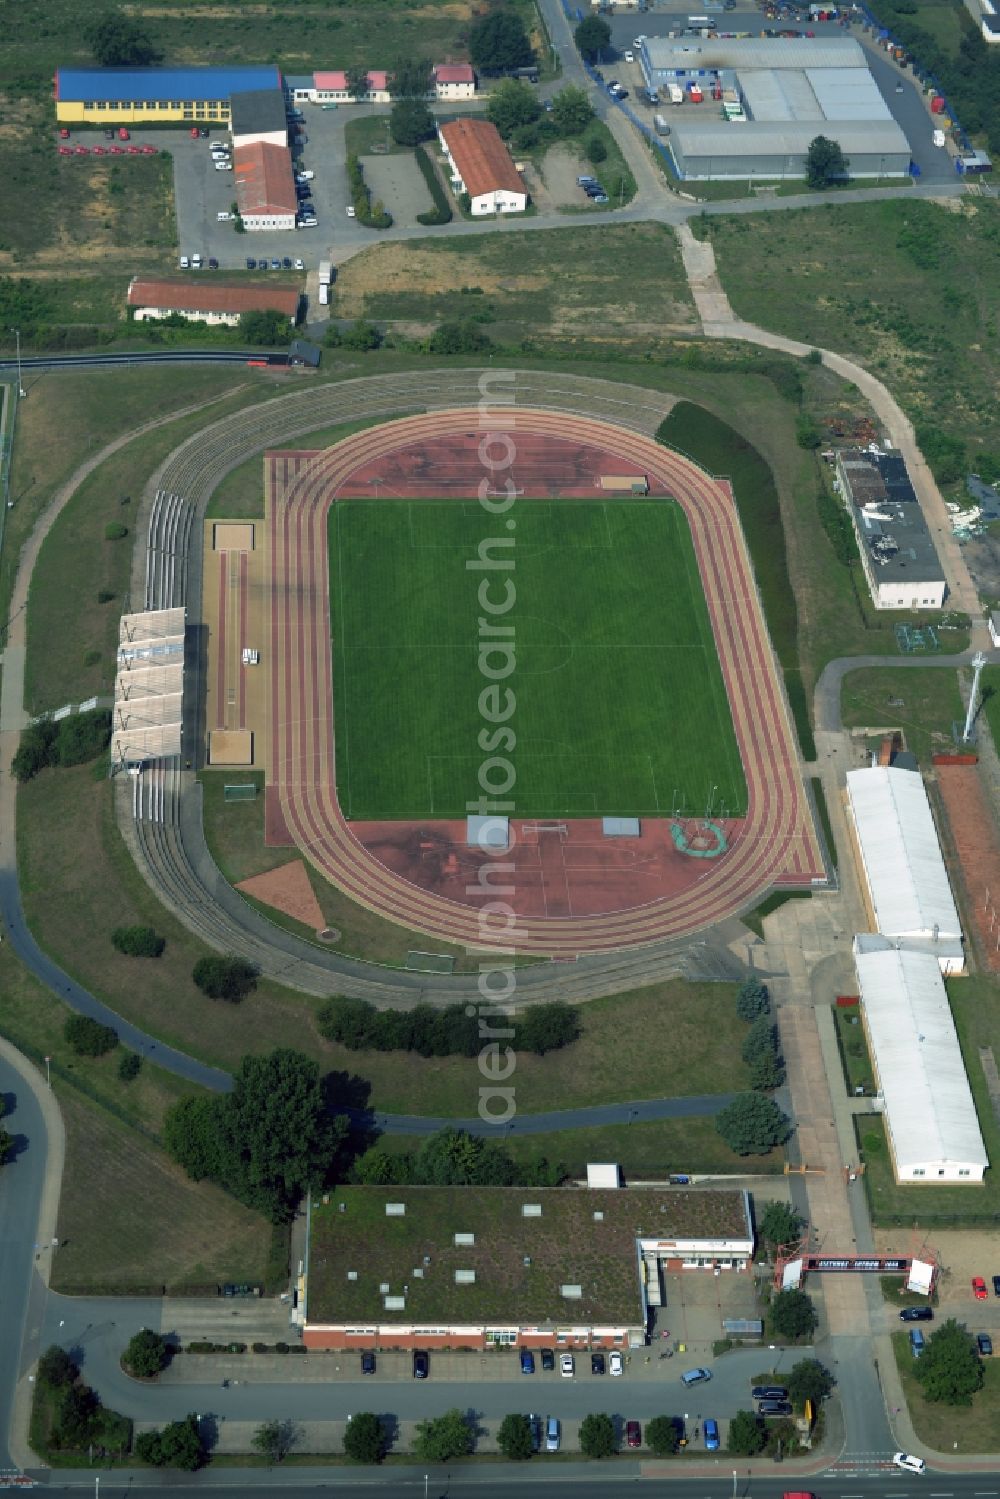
{"type": "Point", "coordinates": [149, 688]}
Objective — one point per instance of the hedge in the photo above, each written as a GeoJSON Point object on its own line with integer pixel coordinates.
{"type": "Point", "coordinates": [441, 212]}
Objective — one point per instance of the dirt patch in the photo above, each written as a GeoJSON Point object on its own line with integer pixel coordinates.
{"type": "Point", "coordinates": [974, 831]}
{"type": "Point", "coordinates": [288, 889]}
{"type": "Point", "coordinates": [560, 169]}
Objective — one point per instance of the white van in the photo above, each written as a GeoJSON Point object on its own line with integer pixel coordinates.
{"type": "Point", "coordinates": [939, 137]}
{"type": "Point", "coordinates": [552, 1435]}
{"type": "Point", "coordinates": [676, 93]}
{"type": "Point", "coordinates": [324, 294]}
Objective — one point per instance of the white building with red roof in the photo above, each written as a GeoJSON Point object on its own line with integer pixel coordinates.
{"type": "Point", "coordinates": [481, 166]}
{"type": "Point", "coordinates": [451, 81]}
{"type": "Point", "coordinates": [265, 186]}
{"type": "Point", "coordinates": [454, 80]}
{"type": "Point", "coordinates": [205, 300]}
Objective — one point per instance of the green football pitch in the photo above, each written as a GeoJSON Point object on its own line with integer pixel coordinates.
{"type": "Point", "coordinates": [620, 703]}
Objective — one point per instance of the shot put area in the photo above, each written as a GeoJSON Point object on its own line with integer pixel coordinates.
{"type": "Point", "coordinates": [561, 621]}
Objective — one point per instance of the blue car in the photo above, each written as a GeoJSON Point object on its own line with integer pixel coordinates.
{"type": "Point", "coordinates": [527, 1361]}
{"type": "Point", "coordinates": [711, 1435]}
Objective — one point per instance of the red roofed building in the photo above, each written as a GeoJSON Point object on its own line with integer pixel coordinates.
{"type": "Point", "coordinates": [265, 187]}
{"type": "Point", "coordinates": [451, 80]}
{"type": "Point", "coordinates": [200, 299]}
{"type": "Point", "coordinates": [454, 80]}
{"type": "Point", "coordinates": [481, 166]}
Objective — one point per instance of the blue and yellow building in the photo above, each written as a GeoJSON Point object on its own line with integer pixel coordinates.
{"type": "Point", "coordinates": [177, 96]}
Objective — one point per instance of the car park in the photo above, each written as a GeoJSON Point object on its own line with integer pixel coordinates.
{"type": "Point", "coordinates": [916, 1314]}
{"type": "Point", "coordinates": [368, 1362]}
{"type": "Point", "coordinates": [907, 1463]}
{"type": "Point", "coordinates": [421, 1364]}
{"type": "Point", "coordinates": [979, 1288]}
{"type": "Point", "coordinates": [567, 1366]}
{"type": "Point", "coordinates": [597, 1363]}
{"type": "Point", "coordinates": [695, 1376]}
{"type": "Point", "coordinates": [552, 1435]}
{"type": "Point", "coordinates": [615, 1362]}
{"type": "Point", "coordinates": [711, 1435]}
{"type": "Point", "coordinates": [527, 1361]}
{"type": "Point", "coordinates": [985, 1344]}
{"type": "Point", "coordinates": [633, 1434]}
{"type": "Point", "coordinates": [548, 1359]}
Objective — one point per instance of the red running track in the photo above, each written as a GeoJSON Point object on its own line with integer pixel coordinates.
{"type": "Point", "coordinates": [779, 844]}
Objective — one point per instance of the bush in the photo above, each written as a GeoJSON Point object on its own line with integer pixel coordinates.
{"type": "Point", "coordinates": [115, 531]}
{"type": "Point", "coordinates": [138, 941]}
{"type": "Point", "coordinates": [88, 1037]}
{"type": "Point", "coordinates": [36, 750]}
{"type": "Point", "coordinates": [105, 595]}
{"type": "Point", "coordinates": [362, 336]}
{"type": "Point", "coordinates": [56, 1368]}
{"type": "Point", "coordinates": [747, 1436]}
{"type": "Point", "coordinates": [449, 1031]}
{"type": "Point", "coordinates": [464, 337]}
{"type": "Point", "coordinates": [752, 1124]}
{"type": "Point", "coordinates": [597, 151]}
{"type": "Point", "coordinates": [441, 212]}
{"type": "Point", "coordinates": [130, 1066]}
{"type": "Point", "coordinates": [225, 976]}
{"type": "Point", "coordinates": [753, 1000]}
{"type": "Point", "coordinates": [82, 737]}
{"type": "Point", "coordinates": [147, 1353]}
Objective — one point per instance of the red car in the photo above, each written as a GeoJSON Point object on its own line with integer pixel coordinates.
{"type": "Point", "coordinates": [148, 150]}
{"type": "Point", "coordinates": [65, 150]}
{"type": "Point", "coordinates": [979, 1288]}
{"type": "Point", "coordinates": [82, 151]}
{"type": "Point", "coordinates": [64, 134]}
{"type": "Point", "coordinates": [134, 150]}
{"type": "Point", "coordinates": [633, 1434]}
{"type": "Point", "coordinates": [117, 150]}
{"type": "Point", "coordinates": [123, 134]}
{"type": "Point", "coordinates": [98, 151]}
{"type": "Point", "coordinates": [193, 132]}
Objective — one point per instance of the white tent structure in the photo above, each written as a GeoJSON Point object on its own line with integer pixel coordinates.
{"type": "Point", "coordinates": [930, 1115]}
{"type": "Point", "coordinates": [905, 877]}
{"type": "Point", "coordinates": [149, 687]}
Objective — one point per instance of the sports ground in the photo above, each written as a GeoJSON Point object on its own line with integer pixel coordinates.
{"type": "Point", "coordinates": [620, 703]}
{"type": "Point", "coordinates": [574, 889]}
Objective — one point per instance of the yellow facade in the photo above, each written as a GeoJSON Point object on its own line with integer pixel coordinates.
{"type": "Point", "coordinates": [136, 111]}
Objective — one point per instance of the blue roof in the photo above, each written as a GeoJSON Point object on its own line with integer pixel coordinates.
{"type": "Point", "coordinates": [172, 84]}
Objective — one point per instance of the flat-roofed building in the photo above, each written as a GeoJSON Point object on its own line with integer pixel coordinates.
{"type": "Point", "coordinates": [259, 116]}
{"type": "Point", "coordinates": [125, 96]}
{"type": "Point", "coordinates": [898, 554]}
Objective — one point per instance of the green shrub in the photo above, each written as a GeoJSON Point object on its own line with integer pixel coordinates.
{"type": "Point", "coordinates": [225, 976]}
{"type": "Point", "coordinates": [130, 1066]}
{"type": "Point", "coordinates": [88, 1037]}
{"type": "Point", "coordinates": [138, 941]}
{"type": "Point", "coordinates": [115, 531]}
{"type": "Point", "coordinates": [441, 212]}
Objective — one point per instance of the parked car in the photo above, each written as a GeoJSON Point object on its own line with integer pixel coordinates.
{"type": "Point", "coordinates": [774, 1408]}
{"type": "Point", "coordinates": [368, 1362]}
{"type": "Point", "coordinates": [907, 1463]}
{"type": "Point", "coordinates": [597, 1363]}
{"type": "Point", "coordinates": [109, 135]}
{"type": "Point", "coordinates": [917, 1343]}
{"type": "Point", "coordinates": [985, 1344]}
{"type": "Point", "coordinates": [194, 132]}
{"type": "Point", "coordinates": [65, 150]}
{"type": "Point", "coordinates": [308, 221]}
{"type": "Point", "coordinates": [421, 1364]}
{"type": "Point", "coordinates": [548, 1359]}
{"type": "Point", "coordinates": [917, 1314]}
{"type": "Point", "coordinates": [774, 1392]}
{"type": "Point", "coordinates": [133, 150]}
{"type": "Point", "coordinates": [350, 211]}
{"type": "Point", "coordinates": [286, 263]}
{"type": "Point", "coordinates": [711, 1435]}
{"type": "Point", "coordinates": [300, 265]}
{"type": "Point", "coordinates": [599, 198]}
{"type": "Point", "coordinates": [304, 175]}
{"type": "Point", "coordinates": [251, 263]}
{"type": "Point", "coordinates": [527, 1361]}
{"type": "Point", "coordinates": [695, 1376]}
{"type": "Point", "coordinates": [117, 150]}
{"type": "Point", "coordinates": [123, 134]}
{"type": "Point", "coordinates": [196, 262]}
{"type": "Point", "coordinates": [615, 1362]}
{"type": "Point", "coordinates": [98, 150]}
{"type": "Point", "coordinates": [586, 181]}
{"type": "Point", "coordinates": [552, 1435]}
{"type": "Point", "coordinates": [148, 150]}
{"type": "Point", "coordinates": [185, 263]}
{"type": "Point", "coordinates": [996, 1285]}
{"type": "Point", "coordinates": [979, 1288]}
{"type": "Point", "coordinates": [223, 216]}
{"type": "Point", "coordinates": [567, 1366]}
{"type": "Point", "coordinates": [81, 151]}
{"type": "Point", "coordinates": [633, 1434]}
{"type": "Point", "coordinates": [63, 134]}
{"type": "Point", "coordinates": [213, 264]}
{"type": "Point", "coordinates": [203, 131]}
{"type": "Point", "coordinates": [535, 1427]}
{"type": "Point", "coordinates": [275, 263]}
{"type": "Point", "coordinates": [223, 166]}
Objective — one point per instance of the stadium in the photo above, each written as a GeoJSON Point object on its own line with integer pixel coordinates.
{"type": "Point", "coordinates": [529, 655]}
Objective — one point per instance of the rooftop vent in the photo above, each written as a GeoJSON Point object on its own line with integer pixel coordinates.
{"type": "Point", "coordinates": [352, 1275]}
{"type": "Point", "coordinates": [465, 1277]}
{"type": "Point", "coordinates": [571, 1293]}
{"type": "Point", "coordinates": [531, 1210]}
{"type": "Point", "coordinates": [464, 1240]}
{"type": "Point", "coordinates": [395, 1210]}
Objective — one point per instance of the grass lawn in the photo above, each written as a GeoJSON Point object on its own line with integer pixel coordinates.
{"type": "Point", "coordinates": [620, 704]}
{"type": "Point", "coordinates": [240, 496]}
{"type": "Point", "coordinates": [365, 130]}
{"type": "Point", "coordinates": [129, 1219]}
{"type": "Point", "coordinates": [969, 1428]}
{"type": "Point", "coordinates": [645, 1152]}
{"type": "Point", "coordinates": [924, 703]}
{"type": "Point", "coordinates": [853, 1049]}
{"type": "Point", "coordinates": [617, 284]}
{"type": "Point", "coordinates": [891, 303]}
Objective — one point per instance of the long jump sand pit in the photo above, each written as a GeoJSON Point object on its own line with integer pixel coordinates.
{"type": "Point", "coordinates": [574, 891]}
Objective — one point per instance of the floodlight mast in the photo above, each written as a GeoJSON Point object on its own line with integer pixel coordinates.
{"type": "Point", "coordinates": [978, 662]}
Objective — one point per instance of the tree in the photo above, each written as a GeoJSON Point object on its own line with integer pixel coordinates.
{"type": "Point", "coordinates": [275, 1440]}
{"type": "Point", "coordinates": [83, 736]}
{"type": "Point", "coordinates": [178, 1445]}
{"type": "Point", "coordinates": [35, 752]}
{"type": "Point", "coordinates": [88, 1037]}
{"type": "Point", "coordinates": [793, 1314]}
{"type": "Point", "coordinates": [747, 1435]}
{"type": "Point", "coordinates": [766, 1072]}
{"type": "Point", "coordinates": [752, 1000]}
{"type": "Point", "coordinates": [513, 103]}
{"type": "Point", "coordinates": [191, 1134]}
{"type": "Point", "coordinates": [138, 941]}
{"type": "Point", "coordinates": [950, 1369]}
{"type": "Point", "coordinates": [129, 1066]}
{"type": "Point", "coordinates": [411, 122]}
{"type": "Point", "coordinates": [514, 1438]}
{"type": "Point", "coordinates": [825, 163]}
{"type": "Point", "coordinates": [261, 329]}
{"type": "Point", "coordinates": [809, 1380]}
{"type": "Point", "coordinates": [357, 83]}
{"type": "Point", "coordinates": [760, 1039]}
{"type": "Point", "coordinates": [572, 111]}
{"type": "Point", "coordinates": [225, 976]}
{"type": "Point", "coordinates": [412, 78]}
{"type": "Point", "coordinates": [498, 43]}
{"type": "Point", "coordinates": [56, 1368]}
{"type": "Point", "coordinates": [147, 1353]}
{"type": "Point", "coordinates": [465, 337]}
{"type": "Point", "coordinates": [779, 1224]}
{"type": "Point", "coordinates": [752, 1124]}
{"type": "Point", "coordinates": [592, 36]}
{"type": "Point", "coordinates": [377, 1168]}
{"type": "Point", "coordinates": [597, 1436]}
{"type": "Point", "coordinates": [364, 1439]}
{"type": "Point", "coordinates": [362, 336]}
{"type": "Point", "coordinates": [548, 1027]}
{"type": "Point", "coordinates": [663, 1436]}
{"type": "Point", "coordinates": [597, 151]}
{"type": "Point", "coordinates": [349, 1021]}
{"type": "Point", "coordinates": [117, 41]}
{"type": "Point", "coordinates": [443, 1438]}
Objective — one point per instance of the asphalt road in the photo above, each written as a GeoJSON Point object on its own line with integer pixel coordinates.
{"type": "Point", "coordinates": [20, 1193]}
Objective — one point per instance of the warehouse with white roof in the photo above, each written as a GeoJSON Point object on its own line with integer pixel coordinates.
{"type": "Point", "coordinates": [789, 90]}
{"type": "Point", "coordinates": [906, 883]}
{"type": "Point", "coordinates": [929, 1112]}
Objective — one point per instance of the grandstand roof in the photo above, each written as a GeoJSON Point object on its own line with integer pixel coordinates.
{"type": "Point", "coordinates": [907, 880]}
{"type": "Point", "coordinates": [168, 84]}
{"type": "Point", "coordinates": [149, 697]}
{"type": "Point", "coordinates": [929, 1106]}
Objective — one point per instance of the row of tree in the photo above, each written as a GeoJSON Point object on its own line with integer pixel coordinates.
{"type": "Point", "coordinates": [455, 1030]}
{"type": "Point", "coordinates": [68, 1415]}
{"type": "Point", "coordinates": [73, 740]}
{"type": "Point", "coordinates": [453, 1158]}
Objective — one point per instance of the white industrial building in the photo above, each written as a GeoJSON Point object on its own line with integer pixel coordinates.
{"type": "Point", "coordinates": [906, 884]}
{"type": "Point", "coordinates": [929, 1112]}
{"type": "Point", "coordinates": [788, 91]}
{"type": "Point", "coordinates": [480, 164]}
{"type": "Point", "coordinates": [897, 551]}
